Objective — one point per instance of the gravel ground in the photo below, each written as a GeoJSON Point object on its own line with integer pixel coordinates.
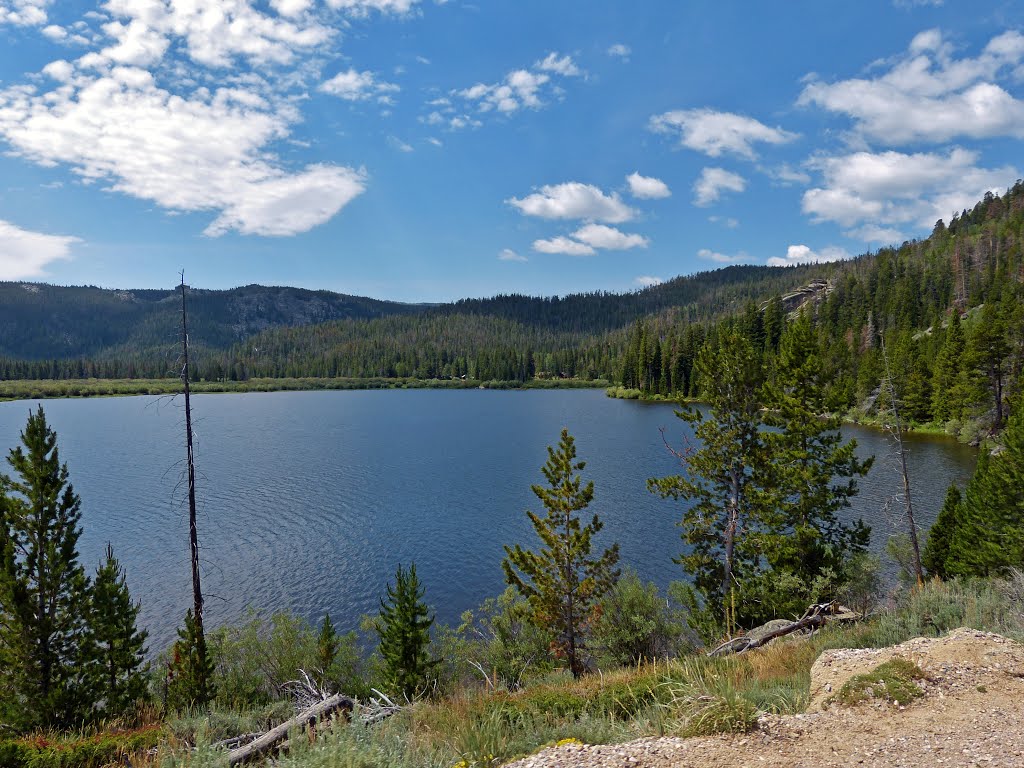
{"type": "Point", "coordinates": [972, 714]}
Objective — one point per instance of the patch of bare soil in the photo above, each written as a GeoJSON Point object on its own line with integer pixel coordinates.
{"type": "Point", "coordinates": [971, 714]}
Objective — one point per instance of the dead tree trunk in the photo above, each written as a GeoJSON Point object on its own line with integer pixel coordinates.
{"type": "Point", "coordinates": [907, 502]}
{"type": "Point", "coordinates": [193, 536]}
{"type": "Point", "coordinates": [272, 739]}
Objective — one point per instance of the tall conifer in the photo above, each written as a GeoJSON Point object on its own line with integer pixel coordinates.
{"type": "Point", "coordinates": [404, 631]}
{"type": "Point", "coordinates": [43, 587]}
{"type": "Point", "coordinates": [119, 647]}
{"type": "Point", "coordinates": [562, 581]}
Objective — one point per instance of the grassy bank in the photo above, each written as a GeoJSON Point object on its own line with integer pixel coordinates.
{"type": "Point", "coordinates": [65, 388]}
{"type": "Point", "coordinates": [473, 727]}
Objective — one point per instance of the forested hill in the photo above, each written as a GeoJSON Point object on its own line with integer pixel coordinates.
{"type": "Point", "coordinates": [44, 322]}
{"type": "Point", "coordinates": [912, 297]}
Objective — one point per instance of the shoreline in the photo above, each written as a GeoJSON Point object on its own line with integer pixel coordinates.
{"type": "Point", "coordinates": [860, 420]}
{"type": "Point", "coordinates": [72, 389]}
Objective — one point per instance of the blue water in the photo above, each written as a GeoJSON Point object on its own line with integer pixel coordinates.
{"type": "Point", "coordinates": [309, 500]}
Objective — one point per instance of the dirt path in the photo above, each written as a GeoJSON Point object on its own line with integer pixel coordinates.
{"type": "Point", "coordinates": [972, 714]}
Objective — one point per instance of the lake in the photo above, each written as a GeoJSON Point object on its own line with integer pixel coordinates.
{"type": "Point", "coordinates": [309, 500]}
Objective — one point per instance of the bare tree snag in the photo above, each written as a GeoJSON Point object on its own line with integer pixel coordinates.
{"type": "Point", "coordinates": [272, 739]}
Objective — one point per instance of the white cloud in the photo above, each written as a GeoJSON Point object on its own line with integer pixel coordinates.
{"type": "Point", "coordinates": [619, 49]}
{"type": "Point", "coordinates": [564, 245]}
{"type": "Point", "coordinates": [55, 33]}
{"type": "Point", "coordinates": [874, 194]}
{"type": "Point", "coordinates": [801, 254]}
{"type": "Point", "coordinates": [23, 13]}
{"type": "Point", "coordinates": [400, 145]}
{"type": "Point", "coordinates": [25, 254]}
{"type": "Point", "coordinates": [916, 3]}
{"type": "Point", "coordinates": [203, 153]}
{"type": "Point", "coordinates": [647, 187]}
{"type": "Point", "coordinates": [435, 141]}
{"type": "Point", "coordinates": [562, 65]}
{"type": "Point", "coordinates": [929, 95]}
{"type": "Point", "coordinates": [214, 33]}
{"type": "Point", "coordinates": [726, 221]}
{"type": "Point", "coordinates": [609, 238]}
{"type": "Point", "coordinates": [716, 133]}
{"type": "Point", "coordinates": [722, 258]}
{"type": "Point", "coordinates": [573, 200]}
{"type": "Point", "coordinates": [363, 8]}
{"type": "Point", "coordinates": [507, 254]}
{"type": "Point", "coordinates": [291, 7]}
{"type": "Point", "coordinates": [786, 175]}
{"type": "Point", "coordinates": [713, 182]}
{"type": "Point", "coordinates": [519, 89]}
{"type": "Point", "coordinates": [353, 85]}
{"type": "Point", "coordinates": [647, 281]}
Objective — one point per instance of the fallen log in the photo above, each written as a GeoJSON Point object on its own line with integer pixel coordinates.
{"type": "Point", "coordinates": [815, 617]}
{"type": "Point", "coordinates": [272, 738]}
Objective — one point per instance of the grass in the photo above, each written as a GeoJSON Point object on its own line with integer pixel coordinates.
{"type": "Point", "coordinates": [69, 388]}
{"type": "Point", "coordinates": [892, 681]}
{"type": "Point", "coordinates": [689, 696]}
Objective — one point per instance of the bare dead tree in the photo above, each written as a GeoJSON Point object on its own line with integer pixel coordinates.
{"type": "Point", "coordinates": [895, 428]}
{"type": "Point", "coordinates": [197, 589]}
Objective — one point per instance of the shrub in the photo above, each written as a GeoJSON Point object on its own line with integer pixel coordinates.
{"type": "Point", "coordinates": [892, 681]}
{"type": "Point", "coordinates": [635, 624]}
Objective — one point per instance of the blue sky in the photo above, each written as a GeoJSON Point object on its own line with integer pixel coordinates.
{"type": "Point", "coordinates": [422, 150]}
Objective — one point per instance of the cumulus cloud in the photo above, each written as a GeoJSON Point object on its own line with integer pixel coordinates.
{"type": "Point", "coordinates": [561, 65]}
{"type": "Point", "coordinates": [207, 152]}
{"type": "Point", "coordinates": [726, 221]}
{"type": "Point", "coordinates": [930, 95]}
{"type": "Point", "coordinates": [721, 258]}
{"type": "Point", "coordinates": [519, 89]}
{"type": "Point", "coordinates": [620, 50]}
{"type": "Point", "coordinates": [25, 254]}
{"type": "Point", "coordinates": [874, 194]}
{"type": "Point", "coordinates": [801, 254]}
{"type": "Point", "coordinates": [564, 245]}
{"type": "Point", "coordinates": [214, 33]}
{"type": "Point", "coordinates": [574, 200]}
{"type": "Point", "coordinates": [713, 182]}
{"type": "Point", "coordinates": [363, 8]}
{"type": "Point", "coordinates": [647, 281]}
{"type": "Point", "coordinates": [609, 238]}
{"type": "Point", "coordinates": [647, 187]}
{"type": "Point", "coordinates": [353, 85]}
{"type": "Point", "coordinates": [717, 133]}
{"type": "Point", "coordinates": [507, 254]}
{"type": "Point", "coordinates": [23, 13]}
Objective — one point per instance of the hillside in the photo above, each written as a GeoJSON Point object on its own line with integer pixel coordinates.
{"type": "Point", "coordinates": [47, 322]}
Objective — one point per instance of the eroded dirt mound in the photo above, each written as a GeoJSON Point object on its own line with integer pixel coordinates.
{"type": "Point", "coordinates": [971, 714]}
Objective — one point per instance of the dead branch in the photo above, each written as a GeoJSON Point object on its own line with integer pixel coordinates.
{"type": "Point", "coordinates": [271, 740]}
{"type": "Point", "coordinates": [815, 617]}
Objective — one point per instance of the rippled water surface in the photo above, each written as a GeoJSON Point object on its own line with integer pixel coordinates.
{"type": "Point", "coordinates": [309, 500]}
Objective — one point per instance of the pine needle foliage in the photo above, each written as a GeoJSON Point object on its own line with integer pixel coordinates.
{"type": "Point", "coordinates": [43, 587]}
{"type": "Point", "coordinates": [562, 581]}
{"type": "Point", "coordinates": [404, 630]}
{"type": "Point", "coordinates": [119, 647]}
{"type": "Point", "coordinates": [190, 671]}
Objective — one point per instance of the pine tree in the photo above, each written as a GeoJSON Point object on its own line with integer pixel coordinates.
{"type": "Point", "coordinates": [947, 384]}
{"type": "Point", "coordinates": [43, 588]}
{"type": "Point", "coordinates": [816, 472]}
{"type": "Point", "coordinates": [562, 581]}
{"type": "Point", "coordinates": [404, 631]}
{"type": "Point", "coordinates": [990, 538]}
{"type": "Point", "coordinates": [190, 671]}
{"type": "Point", "coordinates": [944, 531]}
{"type": "Point", "coordinates": [326, 647]}
{"type": "Point", "coordinates": [119, 647]}
{"type": "Point", "coordinates": [727, 480]}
